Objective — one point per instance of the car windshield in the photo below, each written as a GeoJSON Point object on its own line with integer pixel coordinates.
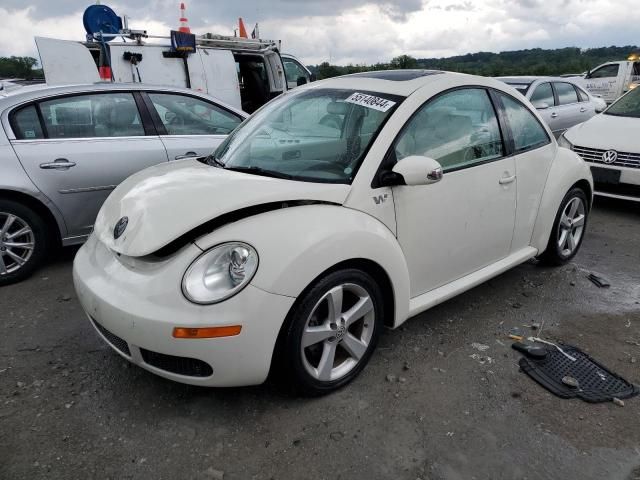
{"type": "Point", "coordinates": [316, 135]}
{"type": "Point", "coordinates": [626, 106]}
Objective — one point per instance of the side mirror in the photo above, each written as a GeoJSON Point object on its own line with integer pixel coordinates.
{"type": "Point", "coordinates": [540, 105]}
{"type": "Point", "coordinates": [588, 75]}
{"type": "Point", "coordinates": [301, 81]}
{"type": "Point", "coordinates": [418, 170]}
{"type": "Point", "coordinates": [313, 77]}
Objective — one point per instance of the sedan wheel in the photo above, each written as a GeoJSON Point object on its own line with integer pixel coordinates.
{"type": "Point", "coordinates": [16, 243]}
{"type": "Point", "coordinates": [331, 332]}
{"type": "Point", "coordinates": [23, 241]}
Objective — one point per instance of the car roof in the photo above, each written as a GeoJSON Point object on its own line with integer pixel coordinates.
{"type": "Point", "coordinates": [35, 92]}
{"type": "Point", "coordinates": [393, 82]}
{"type": "Point", "coordinates": [530, 79]}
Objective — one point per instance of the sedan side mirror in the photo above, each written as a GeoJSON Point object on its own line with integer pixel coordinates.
{"type": "Point", "coordinates": [539, 105]}
{"type": "Point", "coordinates": [418, 170]}
{"type": "Point", "coordinates": [302, 81]}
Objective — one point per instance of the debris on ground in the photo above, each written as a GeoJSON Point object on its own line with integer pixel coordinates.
{"type": "Point", "coordinates": [599, 281]}
{"type": "Point", "coordinates": [391, 378]}
{"type": "Point", "coordinates": [479, 346]}
{"type": "Point", "coordinates": [570, 381]}
{"type": "Point", "coordinates": [618, 402]}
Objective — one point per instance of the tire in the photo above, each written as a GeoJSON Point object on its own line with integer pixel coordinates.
{"type": "Point", "coordinates": [351, 339]}
{"type": "Point", "coordinates": [568, 229]}
{"type": "Point", "coordinates": [19, 262]}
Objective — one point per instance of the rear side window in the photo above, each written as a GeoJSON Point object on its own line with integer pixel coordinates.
{"type": "Point", "coordinates": [566, 93]}
{"type": "Point", "coordinates": [26, 125]}
{"type": "Point", "coordinates": [582, 95]}
{"type": "Point", "coordinates": [543, 94]}
{"type": "Point", "coordinates": [525, 128]}
{"type": "Point", "coordinates": [184, 115]}
{"type": "Point", "coordinates": [99, 115]}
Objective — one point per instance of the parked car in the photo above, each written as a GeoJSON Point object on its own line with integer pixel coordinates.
{"type": "Point", "coordinates": [612, 79]}
{"type": "Point", "coordinates": [562, 102]}
{"type": "Point", "coordinates": [340, 207]}
{"type": "Point", "coordinates": [610, 144]}
{"type": "Point", "coordinates": [64, 149]}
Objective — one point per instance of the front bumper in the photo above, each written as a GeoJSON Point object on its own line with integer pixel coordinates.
{"type": "Point", "coordinates": [134, 305]}
{"type": "Point", "coordinates": [625, 186]}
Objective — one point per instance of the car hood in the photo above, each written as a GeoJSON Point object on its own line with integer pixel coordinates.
{"type": "Point", "coordinates": [607, 132]}
{"type": "Point", "coordinates": [164, 202]}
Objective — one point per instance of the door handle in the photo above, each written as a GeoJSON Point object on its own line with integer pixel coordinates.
{"type": "Point", "coordinates": [506, 180]}
{"type": "Point", "coordinates": [58, 164]}
{"type": "Point", "coordinates": [582, 110]}
{"type": "Point", "coordinates": [187, 155]}
{"type": "Point", "coordinates": [554, 115]}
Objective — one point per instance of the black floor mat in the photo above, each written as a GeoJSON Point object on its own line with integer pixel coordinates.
{"type": "Point", "coordinates": [596, 382]}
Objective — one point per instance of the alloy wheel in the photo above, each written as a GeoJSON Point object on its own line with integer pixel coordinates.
{"type": "Point", "coordinates": [17, 242]}
{"type": "Point", "coordinates": [338, 332]}
{"type": "Point", "coordinates": [571, 226]}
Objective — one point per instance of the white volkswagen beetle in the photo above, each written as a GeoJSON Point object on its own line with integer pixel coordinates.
{"type": "Point", "coordinates": [337, 209]}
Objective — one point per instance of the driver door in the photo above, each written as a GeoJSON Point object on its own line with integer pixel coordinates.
{"type": "Point", "coordinates": [464, 222]}
{"type": "Point", "coordinates": [189, 126]}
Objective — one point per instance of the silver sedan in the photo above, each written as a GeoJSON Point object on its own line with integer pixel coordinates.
{"type": "Point", "coordinates": [561, 102]}
{"type": "Point", "coordinates": [63, 149]}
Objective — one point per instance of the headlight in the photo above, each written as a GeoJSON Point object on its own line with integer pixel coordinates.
{"type": "Point", "coordinates": [563, 142]}
{"type": "Point", "coordinates": [220, 273]}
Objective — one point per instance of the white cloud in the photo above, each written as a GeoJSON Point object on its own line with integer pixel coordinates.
{"type": "Point", "coordinates": [357, 31]}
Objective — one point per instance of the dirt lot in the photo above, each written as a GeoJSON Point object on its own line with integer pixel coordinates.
{"type": "Point", "coordinates": [71, 408]}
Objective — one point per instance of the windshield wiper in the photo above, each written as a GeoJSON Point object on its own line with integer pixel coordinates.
{"type": "Point", "coordinates": [260, 171]}
{"type": "Point", "coordinates": [211, 159]}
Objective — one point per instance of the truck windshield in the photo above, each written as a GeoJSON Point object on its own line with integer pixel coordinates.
{"type": "Point", "coordinates": [627, 106]}
{"type": "Point", "coordinates": [316, 135]}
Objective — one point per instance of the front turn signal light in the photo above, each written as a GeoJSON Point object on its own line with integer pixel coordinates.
{"type": "Point", "coordinates": [207, 332]}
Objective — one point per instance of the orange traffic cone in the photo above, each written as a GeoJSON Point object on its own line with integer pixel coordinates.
{"type": "Point", "coordinates": [184, 26]}
{"type": "Point", "coordinates": [243, 31]}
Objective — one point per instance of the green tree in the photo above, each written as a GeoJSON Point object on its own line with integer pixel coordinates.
{"type": "Point", "coordinates": [404, 61]}
{"type": "Point", "coordinates": [18, 67]}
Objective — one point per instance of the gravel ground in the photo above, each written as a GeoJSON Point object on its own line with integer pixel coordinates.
{"type": "Point", "coordinates": [430, 405]}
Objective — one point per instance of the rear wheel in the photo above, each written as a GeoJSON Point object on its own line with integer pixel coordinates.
{"type": "Point", "coordinates": [568, 229]}
{"type": "Point", "coordinates": [23, 236]}
{"type": "Point", "coordinates": [332, 332]}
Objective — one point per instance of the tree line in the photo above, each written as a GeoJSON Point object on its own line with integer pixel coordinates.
{"type": "Point", "coordinates": [19, 67]}
{"type": "Point", "coordinates": [535, 61]}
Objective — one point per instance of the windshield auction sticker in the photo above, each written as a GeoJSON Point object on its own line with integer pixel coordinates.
{"type": "Point", "coordinates": [370, 101]}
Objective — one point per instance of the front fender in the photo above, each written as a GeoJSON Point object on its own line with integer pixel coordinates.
{"type": "Point", "coordinates": [566, 170]}
{"type": "Point", "coordinates": [295, 245]}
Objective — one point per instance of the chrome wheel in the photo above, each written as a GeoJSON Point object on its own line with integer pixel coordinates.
{"type": "Point", "coordinates": [338, 332]}
{"type": "Point", "coordinates": [571, 226]}
{"type": "Point", "coordinates": [17, 242]}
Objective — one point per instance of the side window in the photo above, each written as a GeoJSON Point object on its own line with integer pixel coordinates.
{"type": "Point", "coordinates": [566, 93]}
{"type": "Point", "coordinates": [99, 115]}
{"type": "Point", "coordinates": [458, 129]}
{"type": "Point", "coordinates": [543, 94]}
{"type": "Point", "coordinates": [184, 115]}
{"type": "Point", "coordinates": [293, 70]}
{"type": "Point", "coordinates": [26, 125]}
{"type": "Point", "coordinates": [582, 94]}
{"type": "Point", "coordinates": [605, 71]}
{"type": "Point", "coordinates": [525, 128]}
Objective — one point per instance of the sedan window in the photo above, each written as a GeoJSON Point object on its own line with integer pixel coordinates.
{"type": "Point", "coordinates": [458, 129]}
{"type": "Point", "coordinates": [543, 94]}
{"type": "Point", "coordinates": [95, 115]}
{"type": "Point", "coordinates": [566, 93]}
{"type": "Point", "coordinates": [526, 130]}
{"type": "Point", "coordinates": [582, 94]}
{"type": "Point", "coordinates": [26, 124]}
{"type": "Point", "coordinates": [185, 115]}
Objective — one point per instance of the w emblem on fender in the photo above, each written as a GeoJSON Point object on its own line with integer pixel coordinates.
{"type": "Point", "coordinates": [380, 198]}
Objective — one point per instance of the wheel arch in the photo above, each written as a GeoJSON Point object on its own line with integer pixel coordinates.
{"type": "Point", "coordinates": [53, 224]}
{"type": "Point", "coordinates": [567, 171]}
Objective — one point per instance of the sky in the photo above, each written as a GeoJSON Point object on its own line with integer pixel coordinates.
{"type": "Point", "coordinates": [350, 31]}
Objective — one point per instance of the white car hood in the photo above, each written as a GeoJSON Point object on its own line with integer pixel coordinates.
{"type": "Point", "coordinates": [607, 132]}
{"type": "Point", "coordinates": [168, 200]}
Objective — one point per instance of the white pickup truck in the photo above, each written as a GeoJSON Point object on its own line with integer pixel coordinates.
{"type": "Point", "coordinates": [612, 79]}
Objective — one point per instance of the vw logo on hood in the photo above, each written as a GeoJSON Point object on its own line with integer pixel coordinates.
{"type": "Point", "coordinates": [120, 227]}
{"type": "Point", "coordinates": [609, 156]}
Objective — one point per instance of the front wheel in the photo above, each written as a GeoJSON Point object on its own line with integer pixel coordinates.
{"type": "Point", "coordinates": [332, 332]}
{"type": "Point", "coordinates": [568, 229]}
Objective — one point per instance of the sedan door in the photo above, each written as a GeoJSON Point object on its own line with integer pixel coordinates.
{"type": "Point", "coordinates": [465, 222]}
{"type": "Point", "coordinates": [189, 125]}
{"type": "Point", "coordinates": [77, 148]}
{"type": "Point", "coordinates": [569, 111]}
{"type": "Point", "coordinates": [543, 99]}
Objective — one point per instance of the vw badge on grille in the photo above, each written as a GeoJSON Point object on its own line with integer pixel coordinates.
{"type": "Point", "coordinates": [120, 227]}
{"type": "Point", "coordinates": [609, 156]}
